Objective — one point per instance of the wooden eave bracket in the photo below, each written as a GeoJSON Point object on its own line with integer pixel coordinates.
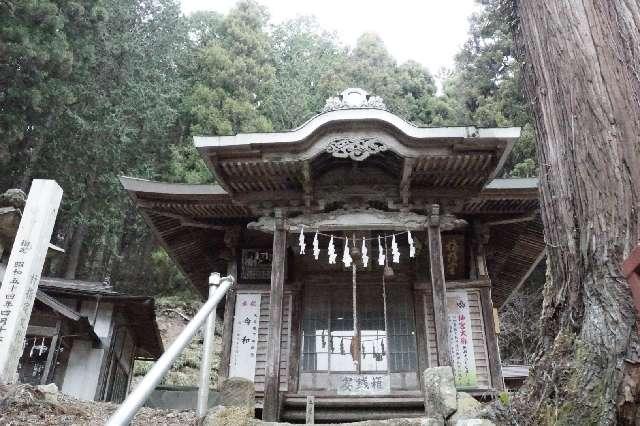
{"type": "Point", "coordinates": [405, 183]}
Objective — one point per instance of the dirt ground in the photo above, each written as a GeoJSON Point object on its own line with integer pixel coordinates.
{"type": "Point", "coordinates": [25, 405]}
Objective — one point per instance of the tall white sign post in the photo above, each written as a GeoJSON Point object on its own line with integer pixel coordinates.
{"type": "Point", "coordinates": [21, 278]}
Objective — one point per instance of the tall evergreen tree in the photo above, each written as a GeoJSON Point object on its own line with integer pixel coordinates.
{"type": "Point", "coordinates": [38, 47]}
{"type": "Point", "coordinates": [485, 87]}
{"type": "Point", "coordinates": [581, 77]}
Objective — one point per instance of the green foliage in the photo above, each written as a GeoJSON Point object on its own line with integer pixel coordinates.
{"type": "Point", "coordinates": [309, 65]}
{"type": "Point", "coordinates": [504, 398]}
{"type": "Point", "coordinates": [186, 166]}
{"type": "Point", "coordinates": [234, 69]}
{"type": "Point", "coordinates": [408, 89]}
{"type": "Point", "coordinates": [92, 89]}
{"type": "Point", "coordinates": [39, 43]}
{"type": "Point", "coordinates": [485, 86]}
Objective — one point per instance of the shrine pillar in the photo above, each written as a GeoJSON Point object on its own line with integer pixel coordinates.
{"type": "Point", "coordinates": [271, 407]}
{"type": "Point", "coordinates": [232, 241]}
{"type": "Point", "coordinates": [438, 286]}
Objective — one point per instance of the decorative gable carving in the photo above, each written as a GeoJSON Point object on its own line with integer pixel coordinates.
{"type": "Point", "coordinates": [357, 148]}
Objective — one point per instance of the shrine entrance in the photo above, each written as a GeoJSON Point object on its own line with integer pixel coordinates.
{"type": "Point", "coordinates": [366, 250]}
{"type": "Point", "coordinates": [375, 354]}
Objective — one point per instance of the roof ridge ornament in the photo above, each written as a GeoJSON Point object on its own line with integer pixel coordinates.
{"type": "Point", "coordinates": [353, 98]}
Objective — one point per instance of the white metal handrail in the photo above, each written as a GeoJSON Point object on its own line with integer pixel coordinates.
{"type": "Point", "coordinates": [217, 289]}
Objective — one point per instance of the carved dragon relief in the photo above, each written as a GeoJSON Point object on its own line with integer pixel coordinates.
{"type": "Point", "coordinates": [358, 148]}
{"type": "Point", "coordinates": [359, 219]}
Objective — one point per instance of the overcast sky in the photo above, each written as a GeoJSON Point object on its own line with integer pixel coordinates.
{"type": "Point", "coordinates": [428, 31]}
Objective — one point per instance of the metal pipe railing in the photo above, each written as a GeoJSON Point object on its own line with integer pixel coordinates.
{"type": "Point", "coordinates": [205, 365]}
{"type": "Point", "coordinates": [134, 401]}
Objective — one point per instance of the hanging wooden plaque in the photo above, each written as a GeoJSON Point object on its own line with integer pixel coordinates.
{"type": "Point", "coordinates": [454, 256]}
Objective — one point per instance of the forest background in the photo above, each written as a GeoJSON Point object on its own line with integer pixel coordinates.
{"type": "Point", "coordinates": [94, 89]}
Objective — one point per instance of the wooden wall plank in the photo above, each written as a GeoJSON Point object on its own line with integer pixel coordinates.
{"type": "Point", "coordinates": [493, 351]}
{"type": "Point", "coordinates": [479, 340]}
{"type": "Point", "coordinates": [432, 341]}
{"type": "Point", "coordinates": [227, 329]}
{"type": "Point", "coordinates": [263, 334]}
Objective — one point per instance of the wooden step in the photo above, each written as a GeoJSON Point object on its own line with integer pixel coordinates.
{"type": "Point", "coordinates": [301, 401]}
{"type": "Point", "coordinates": [332, 408]}
{"type": "Point", "coordinates": [353, 415]}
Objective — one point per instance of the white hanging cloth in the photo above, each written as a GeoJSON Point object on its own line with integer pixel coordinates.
{"type": "Point", "coordinates": [412, 247]}
{"type": "Point", "coordinates": [346, 256]}
{"type": "Point", "coordinates": [316, 246]}
{"type": "Point", "coordinates": [365, 257]}
{"type": "Point", "coordinates": [381, 255]}
{"type": "Point", "coordinates": [42, 347]}
{"type": "Point", "coordinates": [332, 252]}
{"type": "Point", "coordinates": [394, 249]}
{"type": "Point", "coordinates": [303, 245]}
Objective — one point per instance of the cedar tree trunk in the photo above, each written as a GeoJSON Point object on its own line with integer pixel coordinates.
{"type": "Point", "coordinates": [582, 78]}
{"type": "Point", "coordinates": [79, 235]}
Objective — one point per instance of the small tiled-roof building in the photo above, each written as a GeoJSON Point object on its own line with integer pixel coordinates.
{"type": "Point", "coordinates": [84, 337]}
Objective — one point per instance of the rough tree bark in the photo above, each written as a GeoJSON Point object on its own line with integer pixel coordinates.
{"type": "Point", "coordinates": [74, 253]}
{"type": "Point", "coordinates": [582, 77]}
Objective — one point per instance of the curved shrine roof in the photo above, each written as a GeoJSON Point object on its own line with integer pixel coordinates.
{"type": "Point", "coordinates": [354, 153]}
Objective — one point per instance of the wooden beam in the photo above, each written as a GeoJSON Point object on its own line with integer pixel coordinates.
{"type": "Point", "coordinates": [524, 278]}
{"type": "Point", "coordinates": [438, 286]}
{"type": "Point", "coordinates": [518, 219]}
{"type": "Point", "coordinates": [307, 184]}
{"type": "Point", "coordinates": [405, 183]}
{"type": "Point", "coordinates": [481, 237]}
{"type": "Point", "coordinates": [49, 367]}
{"type": "Point", "coordinates": [467, 284]}
{"type": "Point", "coordinates": [41, 330]}
{"type": "Point", "coordinates": [295, 338]}
{"type": "Point", "coordinates": [493, 351]}
{"type": "Point", "coordinates": [59, 307]}
{"type": "Point", "coordinates": [227, 328]}
{"type": "Point", "coordinates": [232, 238]}
{"type": "Point", "coordinates": [271, 407]}
{"type": "Point", "coordinates": [186, 221]}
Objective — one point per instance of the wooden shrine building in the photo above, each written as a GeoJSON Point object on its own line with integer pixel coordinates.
{"type": "Point", "coordinates": [366, 250]}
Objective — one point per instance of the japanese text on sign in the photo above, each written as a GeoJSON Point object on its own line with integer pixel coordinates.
{"type": "Point", "coordinates": [245, 336]}
{"type": "Point", "coordinates": [363, 384]}
{"type": "Point", "coordinates": [24, 266]}
{"type": "Point", "coordinates": [461, 339]}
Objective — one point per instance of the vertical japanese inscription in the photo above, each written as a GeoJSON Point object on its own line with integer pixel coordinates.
{"type": "Point", "coordinates": [461, 339]}
{"type": "Point", "coordinates": [24, 267]}
{"type": "Point", "coordinates": [245, 336]}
